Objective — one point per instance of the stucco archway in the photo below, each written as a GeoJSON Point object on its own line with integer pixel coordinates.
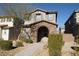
{"type": "Point", "coordinates": [42, 32]}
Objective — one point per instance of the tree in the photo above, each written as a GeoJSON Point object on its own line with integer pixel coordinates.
{"type": "Point", "coordinates": [18, 11]}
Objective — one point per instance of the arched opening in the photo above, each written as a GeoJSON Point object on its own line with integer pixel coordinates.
{"type": "Point", "coordinates": [42, 32]}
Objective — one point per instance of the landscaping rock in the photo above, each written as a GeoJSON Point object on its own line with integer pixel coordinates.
{"type": "Point", "coordinates": [44, 41]}
{"type": "Point", "coordinates": [14, 44]}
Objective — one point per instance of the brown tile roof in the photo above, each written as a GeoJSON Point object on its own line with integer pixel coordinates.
{"type": "Point", "coordinates": [47, 12]}
{"type": "Point", "coordinates": [7, 16]}
{"type": "Point", "coordinates": [7, 27]}
{"type": "Point", "coordinates": [39, 22]}
{"type": "Point", "coordinates": [3, 25]}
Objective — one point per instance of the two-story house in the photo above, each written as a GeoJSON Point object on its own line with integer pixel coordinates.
{"type": "Point", "coordinates": [41, 23]}
{"type": "Point", "coordinates": [72, 24]}
{"type": "Point", "coordinates": [7, 29]}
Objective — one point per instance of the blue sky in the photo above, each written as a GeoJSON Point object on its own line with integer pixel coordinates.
{"type": "Point", "coordinates": [64, 10]}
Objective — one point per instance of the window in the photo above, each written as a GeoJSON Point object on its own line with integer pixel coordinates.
{"type": "Point", "coordinates": [38, 17]}
{"type": "Point", "coordinates": [8, 19]}
{"type": "Point", "coordinates": [5, 32]}
{"type": "Point", "coordinates": [2, 20]}
{"type": "Point", "coordinates": [51, 17]}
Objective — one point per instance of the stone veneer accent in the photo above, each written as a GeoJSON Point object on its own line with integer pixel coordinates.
{"type": "Point", "coordinates": [34, 29]}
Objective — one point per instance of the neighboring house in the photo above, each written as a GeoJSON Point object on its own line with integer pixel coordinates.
{"type": "Point", "coordinates": [41, 23]}
{"type": "Point", "coordinates": [61, 30]}
{"type": "Point", "coordinates": [72, 24]}
{"type": "Point", "coordinates": [7, 30]}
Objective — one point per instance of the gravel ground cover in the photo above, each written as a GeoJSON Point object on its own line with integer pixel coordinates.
{"type": "Point", "coordinates": [10, 52]}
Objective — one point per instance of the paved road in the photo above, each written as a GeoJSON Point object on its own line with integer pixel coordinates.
{"type": "Point", "coordinates": [30, 49]}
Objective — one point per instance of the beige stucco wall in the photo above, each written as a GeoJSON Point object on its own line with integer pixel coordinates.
{"type": "Point", "coordinates": [77, 17]}
{"type": "Point", "coordinates": [51, 18]}
{"type": "Point", "coordinates": [5, 22]}
{"type": "Point", "coordinates": [44, 16]}
{"type": "Point", "coordinates": [33, 15]}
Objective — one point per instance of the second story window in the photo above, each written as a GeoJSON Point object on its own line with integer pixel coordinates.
{"type": "Point", "coordinates": [51, 17]}
{"type": "Point", "coordinates": [2, 20]}
{"type": "Point", "coordinates": [9, 20]}
{"type": "Point", "coordinates": [38, 17]}
{"type": "Point", "coordinates": [5, 20]}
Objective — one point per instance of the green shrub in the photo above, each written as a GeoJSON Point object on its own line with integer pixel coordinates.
{"type": "Point", "coordinates": [29, 41]}
{"type": "Point", "coordinates": [5, 45]}
{"type": "Point", "coordinates": [55, 43]}
{"type": "Point", "coordinates": [19, 44]}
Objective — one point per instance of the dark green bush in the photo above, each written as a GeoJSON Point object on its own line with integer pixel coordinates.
{"type": "Point", "coordinates": [29, 41]}
{"type": "Point", "coordinates": [55, 43]}
{"type": "Point", "coordinates": [5, 45]}
{"type": "Point", "coordinates": [26, 40]}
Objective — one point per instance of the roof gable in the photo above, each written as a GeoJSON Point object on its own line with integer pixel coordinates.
{"type": "Point", "coordinates": [47, 12]}
{"type": "Point", "coordinates": [39, 22]}
{"type": "Point", "coordinates": [39, 10]}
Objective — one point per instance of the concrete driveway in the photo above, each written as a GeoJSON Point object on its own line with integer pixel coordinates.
{"type": "Point", "coordinates": [30, 49]}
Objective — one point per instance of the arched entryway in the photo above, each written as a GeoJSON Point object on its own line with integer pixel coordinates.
{"type": "Point", "coordinates": [42, 32]}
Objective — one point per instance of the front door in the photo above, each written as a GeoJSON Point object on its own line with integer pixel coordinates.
{"type": "Point", "coordinates": [42, 32]}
